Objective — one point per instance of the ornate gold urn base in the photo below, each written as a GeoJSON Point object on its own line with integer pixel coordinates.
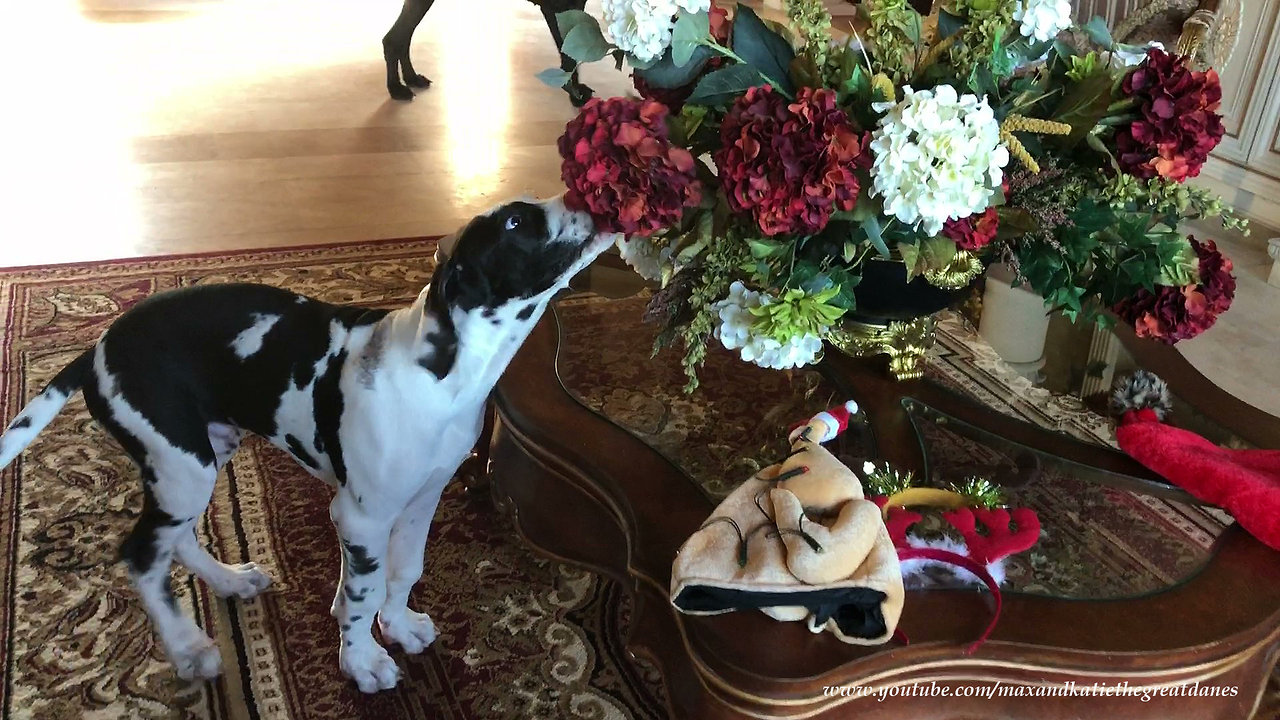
{"type": "Point", "coordinates": [905, 342]}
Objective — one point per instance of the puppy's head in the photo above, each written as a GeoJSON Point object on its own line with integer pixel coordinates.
{"type": "Point", "coordinates": [517, 251]}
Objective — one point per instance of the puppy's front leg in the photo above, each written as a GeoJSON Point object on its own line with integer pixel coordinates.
{"type": "Point", "coordinates": [412, 630]}
{"type": "Point", "coordinates": [363, 535]}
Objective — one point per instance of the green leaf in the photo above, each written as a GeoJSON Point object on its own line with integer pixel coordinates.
{"type": "Point", "coordinates": [875, 234]}
{"type": "Point", "coordinates": [690, 31]}
{"type": "Point", "coordinates": [1015, 222]}
{"type": "Point", "coordinates": [911, 258]}
{"type": "Point", "coordinates": [762, 48]}
{"type": "Point", "coordinates": [1084, 104]}
{"type": "Point", "coordinates": [1063, 50]}
{"type": "Point", "coordinates": [724, 85]}
{"type": "Point", "coordinates": [937, 252]}
{"type": "Point", "coordinates": [664, 73]}
{"type": "Point", "coordinates": [1098, 32]}
{"type": "Point", "coordinates": [948, 24]}
{"type": "Point", "coordinates": [761, 249]}
{"type": "Point", "coordinates": [585, 43]}
{"type": "Point", "coordinates": [555, 77]}
{"type": "Point", "coordinates": [804, 73]}
{"type": "Point", "coordinates": [569, 19]}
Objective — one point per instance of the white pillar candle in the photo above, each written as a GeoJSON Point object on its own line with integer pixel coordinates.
{"type": "Point", "coordinates": [1014, 319]}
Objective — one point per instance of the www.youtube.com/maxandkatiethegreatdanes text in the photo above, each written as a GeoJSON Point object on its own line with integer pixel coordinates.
{"type": "Point", "coordinates": [1001, 690]}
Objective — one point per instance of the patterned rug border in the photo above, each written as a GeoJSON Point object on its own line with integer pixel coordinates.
{"type": "Point", "coordinates": [8, 269]}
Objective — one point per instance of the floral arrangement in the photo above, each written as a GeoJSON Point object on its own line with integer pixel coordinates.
{"type": "Point", "coordinates": [765, 164]}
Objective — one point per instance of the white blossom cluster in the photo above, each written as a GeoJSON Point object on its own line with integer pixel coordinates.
{"type": "Point", "coordinates": [1043, 19]}
{"type": "Point", "coordinates": [937, 156]}
{"type": "Point", "coordinates": [735, 333]}
{"type": "Point", "coordinates": [645, 256]}
{"type": "Point", "coordinates": [643, 28]}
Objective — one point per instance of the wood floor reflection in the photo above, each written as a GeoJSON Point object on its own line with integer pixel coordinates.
{"type": "Point", "coordinates": [164, 127]}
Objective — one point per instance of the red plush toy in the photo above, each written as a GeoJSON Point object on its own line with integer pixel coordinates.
{"type": "Point", "coordinates": [1245, 483]}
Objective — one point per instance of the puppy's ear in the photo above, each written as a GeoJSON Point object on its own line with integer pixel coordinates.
{"type": "Point", "coordinates": [445, 247]}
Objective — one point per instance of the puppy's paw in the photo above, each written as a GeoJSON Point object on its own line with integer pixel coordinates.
{"type": "Point", "coordinates": [242, 581]}
{"type": "Point", "coordinates": [579, 94]}
{"type": "Point", "coordinates": [399, 92]}
{"type": "Point", "coordinates": [417, 81]}
{"type": "Point", "coordinates": [197, 658]}
{"type": "Point", "coordinates": [369, 665]}
{"type": "Point", "coordinates": [412, 631]}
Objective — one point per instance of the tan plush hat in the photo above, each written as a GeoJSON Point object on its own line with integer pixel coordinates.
{"type": "Point", "coordinates": [799, 541]}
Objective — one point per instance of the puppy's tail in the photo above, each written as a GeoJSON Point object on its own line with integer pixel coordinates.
{"type": "Point", "coordinates": [44, 407]}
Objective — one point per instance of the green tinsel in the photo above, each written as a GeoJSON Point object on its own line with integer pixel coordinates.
{"type": "Point", "coordinates": [980, 492]}
{"type": "Point", "coordinates": [884, 479]}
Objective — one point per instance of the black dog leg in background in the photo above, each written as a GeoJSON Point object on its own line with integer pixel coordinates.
{"type": "Point", "coordinates": [579, 94]}
{"type": "Point", "coordinates": [395, 50]}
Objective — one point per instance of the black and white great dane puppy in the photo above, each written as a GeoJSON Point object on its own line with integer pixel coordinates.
{"type": "Point", "coordinates": [382, 405]}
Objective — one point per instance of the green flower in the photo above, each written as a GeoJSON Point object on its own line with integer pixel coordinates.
{"type": "Point", "coordinates": [796, 313]}
{"type": "Point", "coordinates": [1183, 269]}
{"type": "Point", "coordinates": [1082, 66]}
{"type": "Point", "coordinates": [811, 19]}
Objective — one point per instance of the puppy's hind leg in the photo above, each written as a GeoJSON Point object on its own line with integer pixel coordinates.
{"type": "Point", "coordinates": [395, 50]}
{"type": "Point", "coordinates": [173, 498]}
{"type": "Point", "coordinates": [243, 581]}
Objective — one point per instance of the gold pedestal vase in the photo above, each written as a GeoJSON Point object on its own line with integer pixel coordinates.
{"type": "Point", "coordinates": [904, 341]}
{"type": "Point", "coordinates": [896, 317]}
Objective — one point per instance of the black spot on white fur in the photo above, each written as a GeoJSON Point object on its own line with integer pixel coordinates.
{"type": "Point", "coordinates": [442, 352]}
{"type": "Point", "coordinates": [361, 562]}
{"type": "Point", "coordinates": [327, 399]}
{"type": "Point", "coordinates": [20, 423]}
{"type": "Point", "coordinates": [300, 452]}
{"type": "Point", "coordinates": [526, 312]}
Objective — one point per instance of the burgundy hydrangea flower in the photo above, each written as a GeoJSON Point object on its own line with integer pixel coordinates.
{"type": "Point", "coordinates": [974, 232]}
{"type": "Point", "coordinates": [674, 97]}
{"type": "Point", "coordinates": [1177, 123]}
{"type": "Point", "coordinates": [619, 166]}
{"type": "Point", "coordinates": [1171, 314]}
{"type": "Point", "coordinates": [791, 165]}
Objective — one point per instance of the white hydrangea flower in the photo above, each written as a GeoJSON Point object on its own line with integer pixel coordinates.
{"type": "Point", "coordinates": [937, 156]}
{"type": "Point", "coordinates": [644, 255]}
{"type": "Point", "coordinates": [1129, 55]}
{"type": "Point", "coordinates": [1043, 19]}
{"type": "Point", "coordinates": [643, 27]}
{"type": "Point", "coordinates": [735, 333]}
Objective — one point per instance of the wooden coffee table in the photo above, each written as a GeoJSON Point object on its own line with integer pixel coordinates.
{"type": "Point", "coordinates": [587, 490]}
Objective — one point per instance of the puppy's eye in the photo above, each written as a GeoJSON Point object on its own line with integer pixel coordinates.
{"type": "Point", "coordinates": [513, 222]}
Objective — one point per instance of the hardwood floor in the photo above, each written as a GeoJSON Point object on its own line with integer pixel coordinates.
{"type": "Point", "coordinates": [162, 127]}
{"type": "Point", "coordinates": [143, 127]}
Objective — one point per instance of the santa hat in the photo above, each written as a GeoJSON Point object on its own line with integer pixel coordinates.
{"type": "Point", "coordinates": [826, 424]}
{"type": "Point", "coordinates": [1245, 483]}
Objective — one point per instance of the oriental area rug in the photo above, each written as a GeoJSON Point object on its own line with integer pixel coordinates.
{"type": "Point", "coordinates": [520, 636]}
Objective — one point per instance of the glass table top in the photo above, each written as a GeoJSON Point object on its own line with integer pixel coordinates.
{"type": "Point", "coordinates": [1098, 540]}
